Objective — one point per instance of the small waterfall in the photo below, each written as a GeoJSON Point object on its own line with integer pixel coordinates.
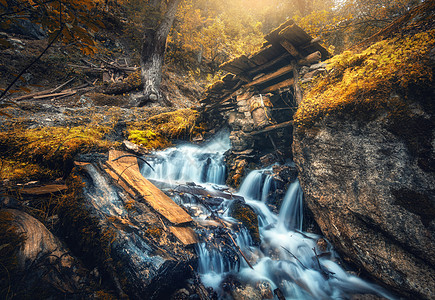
{"type": "Point", "coordinates": [291, 214]}
{"type": "Point", "coordinates": [190, 163]}
{"type": "Point", "coordinates": [287, 257]}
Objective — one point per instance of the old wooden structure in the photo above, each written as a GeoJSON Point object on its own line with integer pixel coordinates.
{"type": "Point", "coordinates": [259, 95]}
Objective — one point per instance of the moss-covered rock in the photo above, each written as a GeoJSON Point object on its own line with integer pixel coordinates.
{"type": "Point", "coordinates": [362, 83]}
{"type": "Point", "coordinates": [246, 215]}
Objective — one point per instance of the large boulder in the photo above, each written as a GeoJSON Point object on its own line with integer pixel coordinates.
{"type": "Point", "coordinates": [371, 188]}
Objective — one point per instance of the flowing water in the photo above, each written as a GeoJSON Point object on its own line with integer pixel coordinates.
{"type": "Point", "coordinates": [302, 265]}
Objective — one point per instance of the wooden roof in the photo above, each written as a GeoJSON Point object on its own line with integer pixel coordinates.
{"type": "Point", "coordinates": [266, 68]}
{"type": "Point", "coordinates": [287, 32]}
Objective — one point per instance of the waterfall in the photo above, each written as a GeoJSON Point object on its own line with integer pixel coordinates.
{"type": "Point", "coordinates": [291, 214]}
{"type": "Point", "coordinates": [190, 163]}
{"type": "Point", "coordinates": [288, 258]}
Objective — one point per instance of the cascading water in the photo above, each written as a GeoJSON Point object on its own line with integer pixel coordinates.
{"type": "Point", "coordinates": [190, 163]}
{"type": "Point", "coordinates": [288, 259]}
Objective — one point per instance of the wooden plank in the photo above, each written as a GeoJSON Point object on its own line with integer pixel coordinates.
{"type": "Point", "coordinates": [150, 193]}
{"type": "Point", "coordinates": [297, 87]}
{"type": "Point", "coordinates": [273, 36]}
{"type": "Point", "coordinates": [310, 59]}
{"type": "Point", "coordinates": [269, 63]}
{"type": "Point", "coordinates": [186, 235]}
{"type": "Point", "coordinates": [272, 127]}
{"type": "Point", "coordinates": [44, 189]}
{"type": "Point", "coordinates": [270, 76]}
{"type": "Point", "coordinates": [290, 48]}
{"type": "Point", "coordinates": [295, 35]}
{"type": "Point", "coordinates": [128, 160]}
{"type": "Point", "coordinates": [280, 85]}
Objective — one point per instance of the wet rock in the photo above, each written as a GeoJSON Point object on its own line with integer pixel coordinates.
{"type": "Point", "coordinates": [138, 252]}
{"type": "Point", "coordinates": [246, 215]}
{"type": "Point", "coordinates": [286, 173]}
{"type": "Point", "coordinates": [371, 189]}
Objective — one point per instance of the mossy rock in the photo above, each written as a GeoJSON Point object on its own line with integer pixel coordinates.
{"type": "Point", "coordinates": [246, 215]}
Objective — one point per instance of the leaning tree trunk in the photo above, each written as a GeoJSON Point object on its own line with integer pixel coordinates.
{"type": "Point", "coordinates": [153, 53]}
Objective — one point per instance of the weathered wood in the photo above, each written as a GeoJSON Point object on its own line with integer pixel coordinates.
{"type": "Point", "coordinates": [266, 54]}
{"type": "Point", "coordinates": [150, 193]}
{"type": "Point", "coordinates": [268, 64]}
{"type": "Point", "coordinates": [55, 95]}
{"type": "Point", "coordinates": [274, 36]}
{"type": "Point", "coordinates": [270, 76]}
{"type": "Point", "coordinates": [186, 235]}
{"type": "Point", "coordinates": [44, 189]}
{"type": "Point", "coordinates": [280, 85]}
{"type": "Point", "coordinates": [297, 88]}
{"type": "Point", "coordinates": [197, 190]}
{"type": "Point", "coordinates": [272, 127]}
{"type": "Point", "coordinates": [295, 35]}
{"type": "Point", "coordinates": [310, 59]}
{"type": "Point", "coordinates": [290, 48]}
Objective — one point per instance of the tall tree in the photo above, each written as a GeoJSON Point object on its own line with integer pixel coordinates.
{"type": "Point", "coordinates": [153, 47]}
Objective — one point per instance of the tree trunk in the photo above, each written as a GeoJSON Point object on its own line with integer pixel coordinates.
{"type": "Point", "coordinates": [153, 51]}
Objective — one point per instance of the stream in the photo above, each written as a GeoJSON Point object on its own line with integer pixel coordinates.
{"type": "Point", "coordinates": [299, 264]}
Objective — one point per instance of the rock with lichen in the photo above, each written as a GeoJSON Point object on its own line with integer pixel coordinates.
{"type": "Point", "coordinates": [246, 215]}
{"type": "Point", "coordinates": [365, 155]}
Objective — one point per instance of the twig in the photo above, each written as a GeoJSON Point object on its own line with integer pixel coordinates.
{"type": "Point", "coordinates": [326, 273]}
{"type": "Point", "coordinates": [62, 85]}
{"type": "Point", "coordinates": [138, 157]}
{"type": "Point", "coordinates": [294, 257]}
{"type": "Point", "coordinates": [34, 61]}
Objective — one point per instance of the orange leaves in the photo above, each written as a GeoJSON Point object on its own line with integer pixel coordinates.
{"type": "Point", "coordinates": [78, 16]}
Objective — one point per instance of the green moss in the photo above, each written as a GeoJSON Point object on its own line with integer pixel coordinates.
{"type": "Point", "coordinates": [157, 131]}
{"type": "Point", "coordinates": [248, 218]}
{"type": "Point", "coordinates": [148, 138]}
{"type": "Point", "coordinates": [361, 83]}
{"type": "Point", "coordinates": [47, 152]}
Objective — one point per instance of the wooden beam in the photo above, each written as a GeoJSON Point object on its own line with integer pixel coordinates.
{"type": "Point", "coordinates": [280, 85]}
{"type": "Point", "coordinates": [272, 127]}
{"type": "Point", "coordinates": [153, 196]}
{"type": "Point", "coordinates": [270, 76]}
{"type": "Point", "coordinates": [290, 48]}
{"type": "Point", "coordinates": [297, 87]}
{"type": "Point", "coordinates": [310, 59]}
{"type": "Point", "coordinates": [186, 235]}
{"type": "Point", "coordinates": [268, 64]}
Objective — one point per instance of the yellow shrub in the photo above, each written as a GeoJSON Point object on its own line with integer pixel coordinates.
{"type": "Point", "coordinates": [361, 82]}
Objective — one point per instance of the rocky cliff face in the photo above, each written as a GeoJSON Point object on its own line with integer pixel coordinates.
{"type": "Point", "coordinates": [371, 188]}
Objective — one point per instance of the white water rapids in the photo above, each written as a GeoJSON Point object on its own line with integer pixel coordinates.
{"type": "Point", "coordinates": [287, 258]}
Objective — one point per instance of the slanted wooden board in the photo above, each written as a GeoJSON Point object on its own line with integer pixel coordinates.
{"type": "Point", "coordinates": [44, 189]}
{"type": "Point", "coordinates": [273, 36]}
{"type": "Point", "coordinates": [270, 76]}
{"type": "Point", "coordinates": [266, 54]}
{"type": "Point", "coordinates": [150, 193]}
{"type": "Point", "coordinates": [241, 63]}
{"type": "Point", "coordinates": [186, 235]}
{"type": "Point", "coordinates": [295, 35]}
{"type": "Point", "coordinates": [272, 127]}
{"type": "Point", "coordinates": [280, 85]}
{"type": "Point", "coordinates": [290, 48]}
